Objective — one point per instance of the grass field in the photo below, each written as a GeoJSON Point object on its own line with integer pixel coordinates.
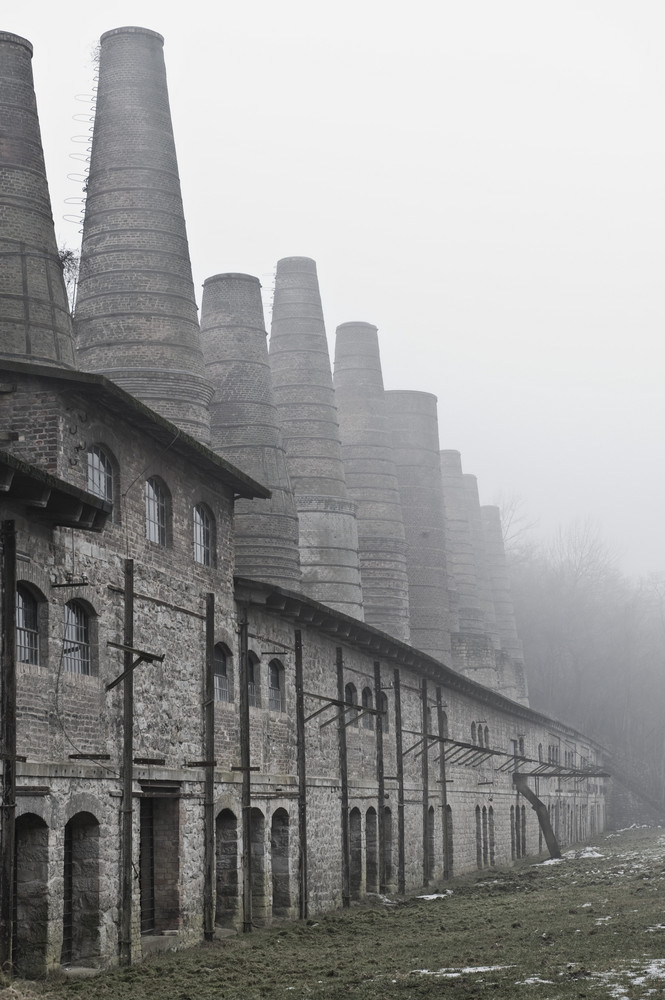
{"type": "Point", "coordinates": [591, 925]}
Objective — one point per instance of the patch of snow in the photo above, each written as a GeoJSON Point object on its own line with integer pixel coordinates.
{"type": "Point", "coordinates": [583, 906]}
{"type": "Point", "coordinates": [437, 895]}
{"type": "Point", "coordinates": [455, 973]}
{"type": "Point", "coordinates": [549, 861]}
{"type": "Point", "coordinates": [533, 980]}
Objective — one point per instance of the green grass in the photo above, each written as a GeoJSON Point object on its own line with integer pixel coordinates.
{"type": "Point", "coordinates": [586, 927]}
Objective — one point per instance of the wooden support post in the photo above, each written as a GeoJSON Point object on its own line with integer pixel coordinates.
{"type": "Point", "coordinates": [343, 775]}
{"type": "Point", "coordinates": [442, 778]}
{"type": "Point", "coordinates": [246, 786]}
{"type": "Point", "coordinates": [126, 826]}
{"type": "Point", "coordinates": [427, 874]}
{"type": "Point", "coordinates": [302, 776]}
{"type": "Point", "coordinates": [209, 780]}
{"type": "Point", "coordinates": [8, 707]}
{"type": "Point", "coordinates": [381, 790]}
{"type": "Point", "coordinates": [401, 859]}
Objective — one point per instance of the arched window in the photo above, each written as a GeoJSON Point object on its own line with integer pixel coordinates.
{"type": "Point", "coordinates": [100, 473]}
{"type": "Point", "coordinates": [487, 736]}
{"type": "Point", "coordinates": [480, 736]}
{"type": "Point", "coordinates": [383, 708]}
{"type": "Point", "coordinates": [76, 650]}
{"type": "Point", "coordinates": [276, 686]}
{"type": "Point", "coordinates": [473, 732]}
{"type": "Point", "coordinates": [368, 702]}
{"type": "Point", "coordinates": [351, 698]}
{"type": "Point", "coordinates": [203, 535]}
{"type": "Point", "coordinates": [155, 512]}
{"type": "Point", "coordinates": [520, 745]}
{"type": "Point", "coordinates": [221, 672]}
{"type": "Point", "coordinates": [27, 626]}
{"type": "Point", "coordinates": [253, 686]}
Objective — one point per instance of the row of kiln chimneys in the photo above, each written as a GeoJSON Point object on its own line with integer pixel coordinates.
{"type": "Point", "coordinates": [366, 515]}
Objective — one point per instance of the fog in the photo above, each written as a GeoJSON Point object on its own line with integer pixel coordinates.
{"type": "Point", "coordinates": [481, 180]}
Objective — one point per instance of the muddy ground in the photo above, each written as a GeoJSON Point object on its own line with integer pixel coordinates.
{"type": "Point", "coordinates": [591, 925]}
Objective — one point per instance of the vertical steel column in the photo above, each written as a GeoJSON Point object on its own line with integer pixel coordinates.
{"type": "Point", "coordinates": [302, 775]}
{"type": "Point", "coordinates": [343, 775]}
{"type": "Point", "coordinates": [381, 790]}
{"type": "Point", "coordinates": [8, 707]}
{"type": "Point", "coordinates": [209, 786]}
{"type": "Point", "coordinates": [424, 758]}
{"type": "Point", "coordinates": [401, 860]}
{"type": "Point", "coordinates": [442, 779]}
{"type": "Point", "coordinates": [126, 843]}
{"type": "Point", "coordinates": [246, 787]}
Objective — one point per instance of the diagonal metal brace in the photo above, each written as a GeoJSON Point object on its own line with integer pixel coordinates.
{"type": "Point", "coordinates": [141, 657]}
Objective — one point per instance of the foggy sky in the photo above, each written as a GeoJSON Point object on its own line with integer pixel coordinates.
{"type": "Point", "coordinates": [483, 180]}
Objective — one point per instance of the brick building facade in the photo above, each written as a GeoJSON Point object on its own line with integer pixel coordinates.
{"type": "Point", "coordinates": [186, 749]}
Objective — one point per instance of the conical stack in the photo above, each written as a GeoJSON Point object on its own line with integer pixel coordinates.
{"type": "Point", "coordinates": [35, 323]}
{"type": "Point", "coordinates": [413, 422]}
{"type": "Point", "coordinates": [306, 406]}
{"type": "Point", "coordinates": [485, 595]}
{"type": "Point", "coordinates": [514, 680]}
{"type": "Point", "coordinates": [136, 317]}
{"type": "Point", "coordinates": [460, 562]}
{"type": "Point", "coordinates": [244, 427]}
{"type": "Point", "coordinates": [371, 478]}
{"type": "Point", "coordinates": [473, 652]}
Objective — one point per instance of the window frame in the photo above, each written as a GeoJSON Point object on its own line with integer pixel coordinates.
{"type": "Point", "coordinates": [34, 644]}
{"type": "Point", "coordinates": [206, 529]}
{"type": "Point", "coordinates": [157, 512]}
{"type": "Point", "coordinates": [87, 645]}
{"type": "Point", "coordinates": [276, 668]}
{"type": "Point", "coordinates": [223, 693]}
{"type": "Point", "coordinates": [253, 680]}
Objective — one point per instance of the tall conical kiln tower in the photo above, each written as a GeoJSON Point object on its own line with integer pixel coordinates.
{"type": "Point", "coordinates": [305, 400]}
{"type": "Point", "coordinates": [35, 322]}
{"type": "Point", "coordinates": [136, 316]}
{"type": "Point", "coordinates": [244, 427]}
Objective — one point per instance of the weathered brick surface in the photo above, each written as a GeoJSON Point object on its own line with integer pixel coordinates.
{"type": "Point", "coordinates": [61, 714]}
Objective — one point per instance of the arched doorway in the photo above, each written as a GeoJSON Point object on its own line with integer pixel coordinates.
{"type": "Point", "coordinates": [258, 851]}
{"type": "Point", "coordinates": [30, 896]}
{"type": "Point", "coordinates": [388, 844]}
{"type": "Point", "coordinates": [356, 853]}
{"type": "Point", "coordinates": [371, 851]}
{"type": "Point", "coordinates": [80, 916]}
{"type": "Point", "coordinates": [226, 844]}
{"type": "Point", "coordinates": [430, 844]}
{"type": "Point", "coordinates": [279, 847]}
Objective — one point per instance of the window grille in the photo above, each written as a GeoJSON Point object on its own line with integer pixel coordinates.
{"type": "Point", "coordinates": [220, 669]}
{"type": "Point", "coordinates": [367, 702]}
{"type": "Point", "coordinates": [155, 512]}
{"type": "Point", "coordinates": [252, 681]}
{"type": "Point", "coordinates": [275, 687]}
{"type": "Point", "coordinates": [27, 632]}
{"type": "Point", "coordinates": [100, 473]}
{"type": "Point", "coordinates": [76, 654]}
{"type": "Point", "coordinates": [351, 698]}
{"type": "Point", "coordinates": [385, 722]}
{"type": "Point", "coordinates": [202, 536]}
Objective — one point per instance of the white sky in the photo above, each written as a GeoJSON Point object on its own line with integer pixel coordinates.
{"type": "Point", "coordinates": [482, 179]}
